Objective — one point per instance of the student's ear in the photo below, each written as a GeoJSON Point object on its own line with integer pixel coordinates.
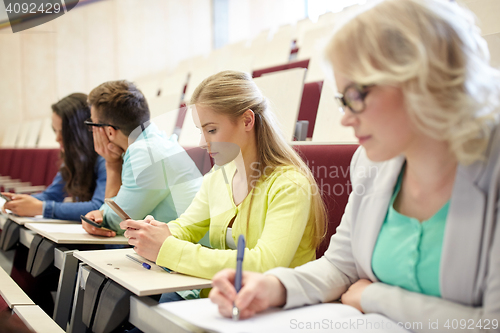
{"type": "Point", "coordinates": [111, 133]}
{"type": "Point", "coordinates": [248, 119]}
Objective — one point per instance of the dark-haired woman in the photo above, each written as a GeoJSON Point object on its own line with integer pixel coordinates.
{"type": "Point", "coordinates": [82, 175]}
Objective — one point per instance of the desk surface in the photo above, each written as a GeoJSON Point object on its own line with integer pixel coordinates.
{"type": "Point", "coordinates": [71, 234]}
{"type": "Point", "coordinates": [36, 319]}
{"type": "Point", "coordinates": [11, 292]}
{"type": "Point", "coordinates": [23, 220]}
{"type": "Point", "coordinates": [131, 275]}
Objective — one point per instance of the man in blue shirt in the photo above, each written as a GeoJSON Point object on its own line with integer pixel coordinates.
{"type": "Point", "coordinates": [147, 173]}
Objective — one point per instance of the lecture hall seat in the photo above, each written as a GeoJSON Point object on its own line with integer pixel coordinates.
{"type": "Point", "coordinates": [309, 104]}
{"type": "Point", "coordinates": [295, 64]}
{"type": "Point", "coordinates": [330, 166]}
{"type": "Point", "coordinates": [53, 165]}
{"type": "Point", "coordinates": [6, 160]}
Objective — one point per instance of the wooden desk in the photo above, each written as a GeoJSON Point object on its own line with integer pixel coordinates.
{"type": "Point", "coordinates": [23, 220]}
{"type": "Point", "coordinates": [64, 234]}
{"type": "Point", "coordinates": [71, 234]}
{"type": "Point", "coordinates": [143, 282]}
{"type": "Point", "coordinates": [116, 266]}
{"type": "Point", "coordinates": [148, 317]}
{"type": "Point", "coordinates": [11, 292]}
{"type": "Point", "coordinates": [36, 319]}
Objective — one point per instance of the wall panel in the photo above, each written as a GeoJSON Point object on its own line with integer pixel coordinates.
{"type": "Point", "coordinates": [38, 70]}
{"type": "Point", "coordinates": [94, 43]}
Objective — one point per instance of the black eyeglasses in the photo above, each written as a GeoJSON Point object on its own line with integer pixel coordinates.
{"type": "Point", "coordinates": [91, 125]}
{"type": "Point", "coordinates": [353, 97]}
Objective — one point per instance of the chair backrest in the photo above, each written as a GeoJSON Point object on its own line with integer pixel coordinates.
{"type": "Point", "coordinates": [38, 174]}
{"type": "Point", "coordinates": [284, 91]}
{"type": "Point", "coordinates": [53, 165]}
{"type": "Point", "coordinates": [5, 160]}
{"type": "Point", "coordinates": [301, 28]}
{"type": "Point", "coordinates": [29, 163]}
{"type": "Point", "coordinates": [198, 74]}
{"type": "Point", "coordinates": [190, 134]}
{"type": "Point", "coordinates": [201, 158]}
{"type": "Point", "coordinates": [236, 57]}
{"type": "Point", "coordinates": [276, 51]}
{"type": "Point", "coordinates": [20, 160]}
{"type": "Point", "coordinates": [290, 65]}
{"type": "Point", "coordinates": [33, 135]}
{"type": "Point", "coordinates": [47, 136]}
{"type": "Point", "coordinates": [173, 83]}
{"type": "Point", "coordinates": [149, 86]}
{"type": "Point", "coordinates": [328, 127]}
{"type": "Point", "coordinates": [309, 104]}
{"type": "Point", "coordinates": [330, 167]}
{"type": "Point", "coordinates": [316, 70]}
{"type": "Point", "coordinates": [164, 111]}
{"type": "Point", "coordinates": [21, 135]}
{"type": "Point", "coordinates": [315, 38]}
{"type": "Point", "coordinates": [257, 45]}
{"type": "Point", "coordinates": [10, 135]}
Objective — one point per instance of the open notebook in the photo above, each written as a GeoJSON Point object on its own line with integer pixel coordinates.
{"type": "Point", "coordinates": [328, 317]}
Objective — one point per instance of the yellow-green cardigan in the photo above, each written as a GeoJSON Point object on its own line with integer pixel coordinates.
{"type": "Point", "coordinates": [278, 233]}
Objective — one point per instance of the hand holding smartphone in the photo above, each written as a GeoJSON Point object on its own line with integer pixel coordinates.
{"type": "Point", "coordinates": [6, 198]}
{"type": "Point", "coordinates": [93, 223]}
{"type": "Point", "coordinates": [117, 209]}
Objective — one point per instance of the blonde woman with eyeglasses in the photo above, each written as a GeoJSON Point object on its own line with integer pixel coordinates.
{"type": "Point", "coordinates": [420, 239]}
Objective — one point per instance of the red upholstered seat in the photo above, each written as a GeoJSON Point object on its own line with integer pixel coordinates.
{"type": "Point", "coordinates": [16, 163]}
{"type": "Point", "coordinates": [30, 163]}
{"type": "Point", "coordinates": [181, 116]}
{"type": "Point", "coordinates": [53, 165]}
{"type": "Point", "coordinates": [5, 161]}
{"type": "Point", "coordinates": [309, 104]}
{"type": "Point", "coordinates": [290, 65]}
{"type": "Point", "coordinates": [330, 166]}
{"type": "Point", "coordinates": [201, 158]}
{"type": "Point", "coordinates": [38, 173]}
{"type": "Point", "coordinates": [3, 305]}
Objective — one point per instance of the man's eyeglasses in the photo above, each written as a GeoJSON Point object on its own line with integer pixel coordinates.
{"type": "Point", "coordinates": [91, 125]}
{"type": "Point", "coordinates": [353, 98]}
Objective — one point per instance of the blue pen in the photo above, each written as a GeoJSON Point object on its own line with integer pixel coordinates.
{"type": "Point", "coordinates": [144, 264]}
{"type": "Point", "coordinates": [239, 271]}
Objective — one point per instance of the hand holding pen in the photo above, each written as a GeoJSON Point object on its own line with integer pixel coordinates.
{"type": "Point", "coordinates": [258, 292]}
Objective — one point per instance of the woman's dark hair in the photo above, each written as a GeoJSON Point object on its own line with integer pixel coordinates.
{"type": "Point", "coordinates": [79, 156]}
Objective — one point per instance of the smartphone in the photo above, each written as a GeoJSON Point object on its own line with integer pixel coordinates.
{"type": "Point", "coordinates": [117, 209]}
{"type": "Point", "coordinates": [6, 198]}
{"type": "Point", "coordinates": [95, 224]}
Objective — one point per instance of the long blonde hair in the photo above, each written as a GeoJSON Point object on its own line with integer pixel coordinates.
{"type": "Point", "coordinates": [232, 93]}
{"type": "Point", "coordinates": [432, 50]}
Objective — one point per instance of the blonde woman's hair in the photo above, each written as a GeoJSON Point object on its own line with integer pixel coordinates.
{"type": "Point", "coordinates": [232, 93]}
{"type": "Point", "coordinates": [434, 52]}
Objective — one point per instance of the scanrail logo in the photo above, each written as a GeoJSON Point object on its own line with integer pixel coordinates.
{"type": "Point", "coordinates": [26, 14]}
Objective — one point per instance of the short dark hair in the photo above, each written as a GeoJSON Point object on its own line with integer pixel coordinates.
{"type": "Point", "coordinates": [120, 103]}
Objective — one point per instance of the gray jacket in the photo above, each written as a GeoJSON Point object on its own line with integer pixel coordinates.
{"type": "Point", "coordinates": [470, 262]}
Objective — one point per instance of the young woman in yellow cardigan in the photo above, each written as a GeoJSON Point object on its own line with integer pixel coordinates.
{"type": "Point", "coordinates": [259, 187]}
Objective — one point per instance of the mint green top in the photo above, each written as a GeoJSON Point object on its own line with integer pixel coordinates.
{"type": "Point", "coordinates": [158, 178]}
{"type": "Point", "coordinates": [408, 252]}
